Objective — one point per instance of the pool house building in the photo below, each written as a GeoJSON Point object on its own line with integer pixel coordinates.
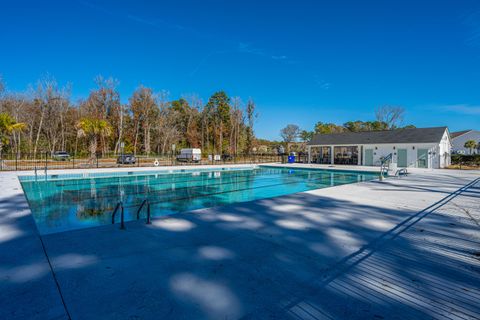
{"type": "Point", "coordinates": [409, 148]}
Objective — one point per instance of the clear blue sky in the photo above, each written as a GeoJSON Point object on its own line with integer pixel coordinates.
{"type": "Point", "coordinates": [301, 61]}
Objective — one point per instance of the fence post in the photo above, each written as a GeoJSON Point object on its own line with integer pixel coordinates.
{"type": "Point", "coordinates": [96, 157]}
{"type": "Point", "coordinates": [46, 162]}
{"type": "Point", "coordinates": [73, 161]}
{"type": "Point", "coordinates": [16, 161]}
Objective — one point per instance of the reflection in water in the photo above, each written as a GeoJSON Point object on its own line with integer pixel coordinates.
{"type": "Point", "coordinates": [89, 213]}
{"type": "Point", "coordinates": [59, 205]}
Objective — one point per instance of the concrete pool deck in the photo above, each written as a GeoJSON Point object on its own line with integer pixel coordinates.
{"type": "Point", "coordinates": [397, 249]}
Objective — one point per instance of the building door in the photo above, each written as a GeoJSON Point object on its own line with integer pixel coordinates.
{"type": "Point", "coordinates": [402, 158]}
{"type": "Point", "coordinates": [422, 158]}
{"type": "Point", "coordinates": [369, 157]}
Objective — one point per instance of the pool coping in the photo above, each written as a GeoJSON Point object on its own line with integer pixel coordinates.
{"type": "Point", "coordinates": [123, 173]}
{"type": "Point", "coordinates": [105, 172]}
{"type": "Point", "coordinates": [125, 169]}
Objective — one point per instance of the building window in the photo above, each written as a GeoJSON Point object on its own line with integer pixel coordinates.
{"type": "Point", "coordinates": [346, 155]}
{"type": "Point", "coordinates": [324, 155]}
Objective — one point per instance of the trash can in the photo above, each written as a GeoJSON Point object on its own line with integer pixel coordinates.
{"type": "Point", "coordinates": [291, 159]}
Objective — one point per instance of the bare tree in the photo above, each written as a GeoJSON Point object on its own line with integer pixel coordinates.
{"type": "Point", "coordinates": [192, 118]}
{"type": "Point", "coordinates": [290, 133]}
{"type": "Point", "coordinates": [44, 96]}
{"type": "Point", "coordinates": [144, 109]}
{"type": "Point", "coordinates": [167, 132]}
{"type": "Point", "coordinates": [236, 119]}
{"type": "Point", "coordinates": [207, 124]}
{"type": "Point", "coordinates": [56, 108]}
{"type": "Point", "coordinates": [103, 103]}
{"type": "Point", "coordinates": [250, 133]}
{"type": "Point", "coordinates": [392, 116]}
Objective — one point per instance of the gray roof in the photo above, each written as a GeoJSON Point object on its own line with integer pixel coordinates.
{"type": "Point", "coordinates": [414, 135]}
{"type": "Point", "coordinates": [459, 133]}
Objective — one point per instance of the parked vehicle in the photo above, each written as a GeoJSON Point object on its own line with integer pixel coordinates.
{"type": "Point", "coordinates": [60, 156]}
{"type": "Point", "coordinates": [126, 159]}
{"type": "Point", "coordinates": [227, 157]}
{"type": "Point", "coordinates": [190, 155]}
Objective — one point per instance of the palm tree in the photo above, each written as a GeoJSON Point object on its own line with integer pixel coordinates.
{"type": "Point", "coordinates": [8, 125]}
{"type": "Point", "coordinates": [470, 144]}
{"type": "Point", "coordinates": [92, 129]}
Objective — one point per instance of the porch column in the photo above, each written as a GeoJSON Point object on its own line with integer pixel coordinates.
{"type": "Point", "coordinates": [332, 157]}
{"type": "Point", "coordinates": [359, 155]}
{"type": "Point", "coordinates": [309, 154]}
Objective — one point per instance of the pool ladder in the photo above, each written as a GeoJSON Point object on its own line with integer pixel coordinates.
{"type": "Point", "coordinates": [122, 214]}
{"type": "Point", "coordinates": [120, 207]}
{"type": "Point", "coordinates": [145, 202]}
{"type": "Point", "coordinates": [384, 165]}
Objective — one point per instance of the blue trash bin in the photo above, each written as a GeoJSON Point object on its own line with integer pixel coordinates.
{"type": "Point", "coordinates": [291, 159]}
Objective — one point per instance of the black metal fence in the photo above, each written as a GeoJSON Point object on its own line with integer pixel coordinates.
{"type": "Point", "coordinates": [47, 161]}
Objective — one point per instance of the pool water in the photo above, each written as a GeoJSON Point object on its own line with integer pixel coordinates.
{"type": "Point", "coordinates": [66, 202]}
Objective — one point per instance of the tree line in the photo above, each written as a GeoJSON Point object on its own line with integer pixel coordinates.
{"type": "Point", "coordinates": [45, 119]}
{"type": "Point", "coordinates": [387, 118]}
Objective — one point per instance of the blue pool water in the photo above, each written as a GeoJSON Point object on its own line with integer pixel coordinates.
{"type": "Point", "coordinates": [67, 202]}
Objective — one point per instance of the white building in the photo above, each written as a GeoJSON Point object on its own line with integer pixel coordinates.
{"type": "Point", "coordinates": [417, 148]}
{"type": "Point", "coordinates": [459, 138]}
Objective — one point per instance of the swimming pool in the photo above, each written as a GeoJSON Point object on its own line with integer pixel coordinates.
{"type": "Point", "coordinates": [66, 202]}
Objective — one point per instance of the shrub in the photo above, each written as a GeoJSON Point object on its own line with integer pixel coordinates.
{"type": "Point", "coordinates": [466, 159]}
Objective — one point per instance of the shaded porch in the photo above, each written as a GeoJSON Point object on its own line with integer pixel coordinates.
{"type": "Point", "coordinates": [342, 155]}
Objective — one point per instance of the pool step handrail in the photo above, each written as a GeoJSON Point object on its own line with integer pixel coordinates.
{"type": "Point", "coordinates": [148, 211]}
{"type": "Point", "coordinates": [401, 172]}
{"type": "Point", "coordinates": [122, 214]}
{"type": "Point", "coordinates": [384, 165]}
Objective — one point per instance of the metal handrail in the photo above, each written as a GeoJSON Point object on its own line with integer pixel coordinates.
{"type": "Point", "coordinates": [140, 208]}
{"type": "Point", "coordinates": [386, 159]}
{"type": "Point", "coordinates": [402, 171]}
{"type": "Point", "coordinates": [383, 166]}
{"type": "Point", "coordinates": [148, 211]}
{"type": "Point", "coordinates": [122, 215]}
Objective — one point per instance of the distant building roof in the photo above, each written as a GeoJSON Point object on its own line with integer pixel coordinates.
{"type": "Point", "coordinates": [412, 135]}
{"type": "Point", "coordinates": [459, 133]}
